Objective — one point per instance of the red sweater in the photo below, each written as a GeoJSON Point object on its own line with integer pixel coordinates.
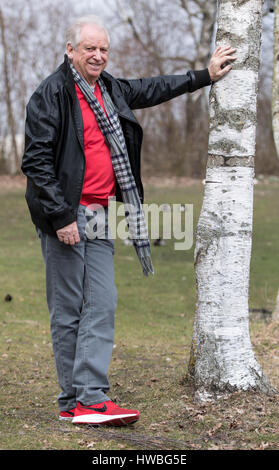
{"type": "Point", "coordinates": [99, 178]}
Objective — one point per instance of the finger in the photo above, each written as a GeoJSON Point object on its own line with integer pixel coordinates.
{"type": "Point", "coordinates": [76, 237]}
{"type": "Point", "coordinates": [72, 239]}
{"type": "Point", "coordinates": [225, 70]}
{"type": "Point", "coordinates": [226, 47]}
{"type": "Point", "coordinates": [216, 52]}
{"type": "Point", "coordinates": [227, 61]}
{"type": "Point", "coordinates": [227, 52]}
{"type": "Point", "coordinates": [220, 49]}
{"type": "Point", "coordinates": [75, 234]}
{"type": "Point", "coordinates": [217, 49]}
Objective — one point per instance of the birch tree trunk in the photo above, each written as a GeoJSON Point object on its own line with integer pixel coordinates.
{"type": "Point", "coordinates": [275, 106]}
{"type": "Point", "coordinates": [275, 313]}
{"type": "Point", "coordinates": [222, 358]}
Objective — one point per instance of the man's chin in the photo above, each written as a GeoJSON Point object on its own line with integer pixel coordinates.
{"type": "Point", "coordinates": [94, 74]}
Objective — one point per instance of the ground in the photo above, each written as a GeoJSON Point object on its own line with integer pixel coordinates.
{"type": "Point", "coordinates": [152, 341]}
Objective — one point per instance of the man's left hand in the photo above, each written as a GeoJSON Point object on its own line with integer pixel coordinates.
{"type": "Point", "coordinates": [220, 62]}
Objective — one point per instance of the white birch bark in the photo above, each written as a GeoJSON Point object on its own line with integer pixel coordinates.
{"type": "Point", "coordinates": [275, 313]}
{"type": "Point", "coordinates": [222, 358]}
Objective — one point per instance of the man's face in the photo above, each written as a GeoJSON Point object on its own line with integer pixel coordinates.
{"type": "Point", "coordinates": [90, 56]}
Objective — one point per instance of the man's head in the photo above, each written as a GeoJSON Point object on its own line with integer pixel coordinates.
{"type": "Point", "coordinates": [87, 44]}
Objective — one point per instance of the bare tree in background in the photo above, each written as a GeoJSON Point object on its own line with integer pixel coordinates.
{"type": "Point", "coordinates": [266, 162]}
{"type": "Point", "coordinates": [222, 358]}
{"type": "Point", "coordinates": [32, 39]}
{"type": "Point", "coordinates": [149, 37]}
{"type": "Point", "coordinates": [8, 85]}
{"type": "Point", "coordinates": [170, 38]}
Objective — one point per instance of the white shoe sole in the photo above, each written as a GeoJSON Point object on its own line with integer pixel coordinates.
{"type": "Point", "coordinates": [62, 418]}
{"type": "Point", "coordinates": [102, 419]}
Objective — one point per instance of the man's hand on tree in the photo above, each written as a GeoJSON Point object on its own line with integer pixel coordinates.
{"type": "Point", "coordinates": [220, 62]}
{"type": "Point", "coordinates": [69, 234]}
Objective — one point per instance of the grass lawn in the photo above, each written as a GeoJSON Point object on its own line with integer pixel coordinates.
{"type": "Point", "coordinates": [152, 342]}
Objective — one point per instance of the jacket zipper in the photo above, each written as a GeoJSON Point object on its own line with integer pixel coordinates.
{"type": "Point", "coordinates": [83, 156]}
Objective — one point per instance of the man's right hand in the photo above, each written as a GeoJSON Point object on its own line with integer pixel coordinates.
{"type": "Point", "coordinates": [69, 234]}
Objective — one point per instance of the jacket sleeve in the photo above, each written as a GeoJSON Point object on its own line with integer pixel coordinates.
{"type": "Point", "coordinates": [146, 92]}
{"type": "Point", "coordinates": [38, 162]}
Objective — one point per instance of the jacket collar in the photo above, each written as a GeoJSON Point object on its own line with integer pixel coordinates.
{"type": "Point", "coordinates": [69, 81]}
{"type": "Point", "coordinates": [110, 83]}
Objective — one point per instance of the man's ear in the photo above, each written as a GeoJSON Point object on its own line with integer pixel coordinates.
{"type": "Point", "coordinates": [70, 50]}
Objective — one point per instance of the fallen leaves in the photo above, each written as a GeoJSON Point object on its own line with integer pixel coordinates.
{"type": "Point", "coordinates": [213, 431]}
{"type": "Point", "coordinates": [84, 443]}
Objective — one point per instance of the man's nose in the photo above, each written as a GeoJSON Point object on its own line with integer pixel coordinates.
{"type": "Point", "coordinates": [97, 54]}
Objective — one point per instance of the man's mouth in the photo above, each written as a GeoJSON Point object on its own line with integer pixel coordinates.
{"type": "Point", "coordinates": [95, 65]}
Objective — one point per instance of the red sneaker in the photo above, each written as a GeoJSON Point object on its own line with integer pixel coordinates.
{"type": "Point", "coordinates": [104, 413]}
{"type": "Point", "coordinates": [66, 415]}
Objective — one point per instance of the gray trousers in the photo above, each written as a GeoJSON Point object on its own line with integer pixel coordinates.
{"type": "Point", "coordinates": [82, 298]}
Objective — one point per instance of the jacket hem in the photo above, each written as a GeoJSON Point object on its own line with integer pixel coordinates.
{"type": "Point", "coordinates": [62, 219]}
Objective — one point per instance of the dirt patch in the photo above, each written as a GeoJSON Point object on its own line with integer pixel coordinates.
{"type": "Point", "coordinates": [19, 181]}
{"type": "Point", "coordinates": [170, 181]}
{"type": "Point", "coordinates": [9, 182]}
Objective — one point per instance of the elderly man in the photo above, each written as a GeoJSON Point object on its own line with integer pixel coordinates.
{"type": "Point", "coordinates": [82, 147]}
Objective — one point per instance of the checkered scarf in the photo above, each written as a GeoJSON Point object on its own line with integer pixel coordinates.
{"type": "Point", "coordinates": [110, 127]}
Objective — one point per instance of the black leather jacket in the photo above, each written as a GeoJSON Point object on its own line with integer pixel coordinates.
{"type": "Point", "coordinates": [54, 160]}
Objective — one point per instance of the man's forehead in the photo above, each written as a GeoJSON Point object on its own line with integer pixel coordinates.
{"type": "Point", "coordinates": [93, 33]}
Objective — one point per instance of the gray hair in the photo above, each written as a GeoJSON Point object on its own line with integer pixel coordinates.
{"type": "Point", "coordinates": [73, 32]}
